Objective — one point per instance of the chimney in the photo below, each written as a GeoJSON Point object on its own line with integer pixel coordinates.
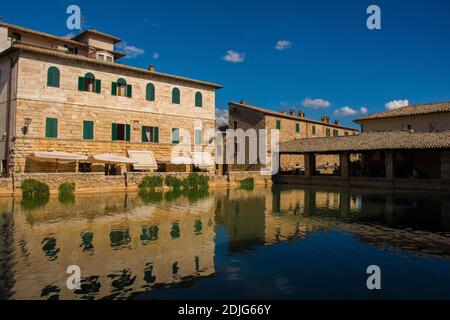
{"type": "Point", "coordinates": [336, 122]}
{"type": "Point", "coordinates": [151, 68]}
{"type": "Point", "coordinates": [242, 101]}
{"type": "Point", "coordinates": [325, 119]}
{"type": "Point", "coordinates": [291, 112]}
{"type": "Point", "coordinates": [301, 114]}
{"type": "Point", "coordinates": [283, 111]}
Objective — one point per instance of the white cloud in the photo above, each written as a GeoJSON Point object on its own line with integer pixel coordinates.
{"type": "Point", "coordinates": [155, 55]}
{"type": "Point", "coordinates": [234, 57]}
{"type": "Point", "coordinates": [345, 112]}
{"type": "Point", "coordinates": [221, 117]}
{"type": "Point", "coordinates": [283, 45]}
{"type": "Point", "coordinates": [316, 103]}
{"type": "Point", "coordinates": [395, 104]}
{"type": "Point", "coordinates": [131, 52]}
{"type": "Point", "coordinates": [363, 110]}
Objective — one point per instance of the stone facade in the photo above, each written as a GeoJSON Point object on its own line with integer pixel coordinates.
{"type": "Point", "coordinates": [33, 101]}
{"type": "Point", "coordinates": [242, 116]}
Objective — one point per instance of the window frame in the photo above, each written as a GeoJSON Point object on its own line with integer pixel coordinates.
{"type": "Point", "coordinates": [93, 130]}
{"type": "Point", "coordinates": [49, 134]}
{"type": "Point", "coordinates": [53, 79]}
{"type": "Point", "coordinates": [176, 96]}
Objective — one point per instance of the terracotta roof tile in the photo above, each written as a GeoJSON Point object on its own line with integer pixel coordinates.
{"type": "Point", "coordinates": [413, 110]}
{"type": "Point", "coordinates": [383, 140]}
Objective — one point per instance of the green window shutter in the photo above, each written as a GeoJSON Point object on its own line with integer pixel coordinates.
{"type": "Point", "coordinates": [98, 86]}
{"type": "Point", "coordinates": [175, 136]}
{"type": "Point", "coordinates": [80, 84]}
{"type": "Point", "coordinates": [313, 130]}
{"type": "Point", "coordinates": [346, 133]}
{"type": "Point", "coordinates": [129, 91]}
{"type": "Point", "coordinates": [88, 130]}
{"type": "Point", "coordinates": [335, 133]}
{"type": "Point", "coordinates": [114, 89]}
{"type": "Point", "coordinates": [114, 132]}
{"type": "Point", "coordinates": [279, 124]}
{"type": "Point", "coordinates": [144, 134]}
{"type": "Point", "coordinates": [51, 128]}
{"type": "Point", "coordinates": [53, 77]}
{"type": "Point", "coordinates": [176, 96]}
{"type": "Point", "coordinates": [150, 94]}
{"type": "Point", "coordinates": [198, 137]}
{"type": "Point", "coordinates": [156, 135]}
{"type": "Point", "coordinates": [328, 132]}
{"type": "Point", "coordinates": [198, 100]}
{"type": "Point", "coordinates": [297, 128]}
{"type": "Point", "coordinates": [128, 133]}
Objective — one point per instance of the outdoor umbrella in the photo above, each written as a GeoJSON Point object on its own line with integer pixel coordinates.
{"type": "Point", "coordinates": [59, 156]}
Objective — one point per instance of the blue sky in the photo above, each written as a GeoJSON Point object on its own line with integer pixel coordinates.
{"type": "Point", "coordinates": [329, 56]}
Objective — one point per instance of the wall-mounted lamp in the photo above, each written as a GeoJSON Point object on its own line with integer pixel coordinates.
{"type": "Point", "coordinates": [25, 129]}
{"type": "Point", "coordinates": [136, 125]}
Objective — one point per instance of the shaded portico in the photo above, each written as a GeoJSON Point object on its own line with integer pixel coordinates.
{"type": "Point", "coordinates": [390, 159]}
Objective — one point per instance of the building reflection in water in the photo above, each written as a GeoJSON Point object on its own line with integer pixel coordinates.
{"type": "Point", "coordinates": [125, 245]}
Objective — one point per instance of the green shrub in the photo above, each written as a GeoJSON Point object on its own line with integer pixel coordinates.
{"type": "Point", "coordinates": [149, 184]}
{"type": "Point", "coordinates": [247, 184]}
{"type": "Point", "coordinates": [66, 189]}
{"type": "Point", "coordinates": [196, 181]}
{"type": "Point", "coordinates": [33, 189]}
{"type": "Point", "coordinates": [174, 183]}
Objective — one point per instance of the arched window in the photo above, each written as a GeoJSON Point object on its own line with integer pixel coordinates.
{"type": "Point", "coordinates": [53, 77]}
{"type": "Point", "coordinates": [88, 83]}
{"type": "Point", "coordinates": [150, 92]}
{"type": "Point", "coordinates": [198, 100]}
{"type": "Point", "coordinates": [121, 88]}
{"type": "Point", "coordinates": [176, 96]}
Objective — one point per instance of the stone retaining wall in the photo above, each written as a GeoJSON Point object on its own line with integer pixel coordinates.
{"type": "Point", "coordinates": [99, 182]}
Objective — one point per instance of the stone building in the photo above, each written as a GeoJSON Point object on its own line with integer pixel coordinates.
{"type": "Point", "coordinates": [73, 95]}
{"type": "Point", "coordinates": [407, 147]}
{"type": "Point", "coordinates": [290, 125]}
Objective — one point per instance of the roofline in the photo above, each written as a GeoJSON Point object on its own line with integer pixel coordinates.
{"type": "Point", "coordinates": [287, 116]}
{"type": "Point", "coordinates": [42, 34]}
{"type": "Point", "coordinates": [371, 116]}
{"type": "Point", "coordinates": [115, 39]}
{"type": "Point", "coordinates": [55, 53]}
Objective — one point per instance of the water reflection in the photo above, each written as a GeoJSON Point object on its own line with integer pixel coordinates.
{"type": "Point", "coordinates": [126, 244]}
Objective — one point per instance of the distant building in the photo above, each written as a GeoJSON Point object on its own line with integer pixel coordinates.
{"type": "Point", "coordinates": [73, 95]}
{"type": "Point", "coordinates": [290, 125]}
{"type": "Point", "coordinates": [407, 147]}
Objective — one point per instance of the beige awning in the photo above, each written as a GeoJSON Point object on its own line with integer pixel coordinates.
{"type": "Point", "coordinates": [145, 160]}
{"type": "Point", "coordinates": [56, 155]}
{"type": "Point", "coordinates": [202, 160]}
{"type": "Point", "coordinates": [111, 158]}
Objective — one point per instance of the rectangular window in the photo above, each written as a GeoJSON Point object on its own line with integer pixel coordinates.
{"type": "Point", "coordinates": [175, 136]}
{"type": "Point", "coordinates": [150, 134]}
{"type": "Point", "coordinates": [328, 132]}
{"type": "Point", "coordinates": [16, 36]}
{"type": "Point", "coordinates": [313, 129]}
{"type": "Point", "coordinates": [121, 132]}
{"type": "Point", "coordinates": [297, 127]}
{"type": "Point", "coordinates": [335, 133]}
{"type": "Point", "coordinates": [346, 133]}
{"type": "Point", "coordinates": [198, 137]}
{"type": "Point", "coordinates": [51, 128]}
{"type": "Point", "coordinates": [235, 125]}
{"type": "Point", "coordinates": [279, 124]}
{"type": "Point", "coordinates": [88, 130]}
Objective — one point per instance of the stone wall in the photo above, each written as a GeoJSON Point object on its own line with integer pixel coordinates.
{"type": "Point", "coordinates": [37, 101]}
{"type": "Point", "coordinates": [99, 182]}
